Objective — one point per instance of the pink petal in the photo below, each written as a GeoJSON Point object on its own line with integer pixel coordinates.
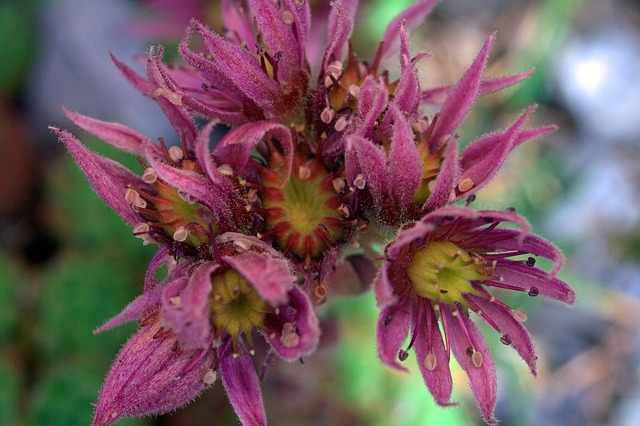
{"type": "Point", "coordinates": [243, 388]}
{"type": "Point", "coordinates": [301, 20]}
{"type": "Point", "coordinates": [134, 78]}
{"type": "Point", "coordinates": [116, 134]}
{"type": "Point", "coordinates": [340, 28]}
{"type": "Point", "coordinates": [527, 135]}
{"type": "Point", "coordinates": [525, 277]}
{"type": "Point", "coordinates": [149, 376]}
{"type": "Point", "coordinates": [373, 100]}
{"type": "Point", "coordinates": [429, 342]}
{"type": "Point", "coordinates": [270, 276]}
{"type": "Point", "coordinates": [518, 335]}
{"type": "Point", "coordinates": [482, 379]}
{"type": "Point", "coordinates": [459, 102]}
{"type": "Point", "coordinates": [411, 17]}
{"type": "Point", "coordinates": [299, 312]}
{"type": "Point", "coordinates": [391, 332]}
{"type": "Point", "coordinates": [365, 158]}
{"type": "Point", "coordinates": [407, 95]}
{"type": "Point", "coordinates": [238, 21]}
{"type": "Point", "coordinates": [446, 179]}
{"type": "Point", "coordinates": [383, 288]}
{"type": "Point", "coordinates": [108, 179]}
{"type": "Point", "coordinates": [143, 304]}
{"type": "Point", "coordinates": [405, 167]}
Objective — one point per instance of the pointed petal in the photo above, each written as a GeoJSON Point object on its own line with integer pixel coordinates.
{"type": "Point", "coordinates": [446, 179]}
{"type": "Point", "coordinates": [340, 28]}
{"type": "Point", "coordinates": [134, 78]}
{"type": "Point", "coordinates": [482, 159]}
{"type": "Point", "coordinates": [108, 179]}
{"type": "Point", "coordinates": [429, 343]}
{"type": "Point", "coordinates": [460, 100]}
{"type": "Point", "coordinates": [301, 12]}
{"type": "Point", "coordinates": [116, 134]}
{"type": "Point", "coordinates": [392, 331]}
{"type": "Point", "coordinates": [243, 388]}
{"type": "Point", "coordinates": [405, 167]}
{"type": "Point", "coordinates": [238, 21]}
{"type": "Point", "coordinates": [149, 376]}
{"type": "Point", "coordinates": [531, 244]}
{"type": "Point", "coordinates": [143, 304]}
{"type": "Point", "coordinates": [383, 288]}
{"type": "Point", "coordinates": [364, 158]}
{"type": "Point", "coordinates": [298, 312]}
{"type": "Point", "coordinates": [527, 135]}
{"type": "Point", "coordinates": [407, 95]}
{"type": "Point", "coordinates": [159, 258]}
{"type": "Point", "coordinates": [270, 276]}
{"type": "Point", "coordinates": [518, 335]}
{"type": "Point", "coordinates": [482, 379]}
{"type": "Point", "coordinates": [525, 277]}
{"type": "Point", "coordinates": [373, 100]}
{"type": "Point", "coordinates": [412, 16]}
{"type": "Point", "coordinates": [236, 146]}
{"type": "Point", "coordinates": [186, 307]}
{"type": "Point", "coordinates": [364, 268]}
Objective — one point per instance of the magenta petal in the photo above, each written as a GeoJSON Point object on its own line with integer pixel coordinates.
{"type": "Point", "coordinates": [236, 146]}
{"type": "Point", "coordinates": [373, 100]}
{"type": "Point", "coordinates": [459, 102]}
{"type": "Point", "coordinates": [518, 335]}
{"type": "Point", "coordinates": [186, 307]}
{"type": "Point", "coordinates": [482, 379]}
{"type": "Point", "coordinates": [446, 179]}
{"type": "Point", "coordinates": [299, 312]}
{"type": "Point", "coordinates": [159, 258]}
{"type": "Point", "coordinates": [108, 179]}
{"type": "Point", "coordinates": [301, 12]}
{"type": "Point", "coordinates": [482, 159]}
{"type": "Point", "coordinates": [146, 302]}
{"type": "Point", "coordinates": [134, 78]}
{"type": "Point", "coordinates": [383, 288]}
{"type": "Point", "coordinates": [412, 17]}
{"type": "Point", "coordinates": [429, 342]}
{"type": "Point", "coordinates": [270, 276]}
{"type": "Point", "coordinates": [407, 95]}
{"type": "Point", "coordinates": [243, 388]}
{"type": "Point", "coordinates": [237, 20]}
{"type": "Point", "coordinates": [405, 167]}
{"type": "Point", "coordinates": [524, 277]}
{"type": "Point", "coordinates": [340, 28]}
{"type": "Point", "coordinates": [527, 135]}
{"type": "Point", "coordinates": [118, 135]}
{"type": "Point", "coordinates": [492, 85]}
{"type": "Point", "coordinates": [149, 376]}
{"type": "Point", "coordinates": [391, 332]}
{"type": "Point", "coordinates": [364, 158]}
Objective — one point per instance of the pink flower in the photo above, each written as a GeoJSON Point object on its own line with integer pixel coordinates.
{"type": "Point", "coordinates": [441, 269]}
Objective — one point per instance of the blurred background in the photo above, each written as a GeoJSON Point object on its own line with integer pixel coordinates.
{"type": "Point", "coordinates": [67, 263]}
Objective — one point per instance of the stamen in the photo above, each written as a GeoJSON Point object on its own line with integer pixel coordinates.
{"type": "Point", "coordinates": [133, 197]}
{"type": "Point", "coordinates": [341, 123]}
{"type": "Point", "coordinates": [466, 184]}
{"type": "Point", "coordinates": [420, 126]}
{"type": "Point", "coordinates": [149, 176]}
{"type": "Point", "coordinates": [403, 355]}
{"type": "Point", "coordinates": [225, 170]}
{"type": "Point", "coordinates": [344, 210]}
{"type": "Point", "coordinates": [531, 261]}
{"type": "Point", "coordinates": [354, 91]}
{"type": "Point", "coordinates": [180, 234]}
{"type": "Point", "coordinates": [470, 199]}
{"type": "Point", "coordinates": [505, 339]}
{"type": "Point", "coordinates": [327, 115]}
{"type": "Point", "coordinates": [534, 291]}
{"type": "Point", "coordinates": [338, 184]}
{"type": "Point", "coordinates": [287, 17]}
{"type": "Point", "coordinates": [209, 377]}
{"type": "Point", "coordinates": [520, 315]}
{"type": "Point", "coordinates": [335, 68]}
{"type": "Point", "coordinates": [304, 172]}
{"type": "Point", "coordinates": [176, 154]}
{"type": "Point", "coordinates": [476, 359]}
{"type": "Point", "coordinates": [359, 181]}
{"type": "Point", "coordinates": [430, 362]}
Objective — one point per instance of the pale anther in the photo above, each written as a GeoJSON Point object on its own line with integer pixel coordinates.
{"type": "Point", "coordinates": [304, 172]}
{"type": "Point", "coordinates": [133, 197]}
{"type": "Point", "coordinates": [327, 115]}
{"type": "Point", "coordinates": [430, 362]}
{"type": "Point", "coordinates": [359, 181]}
{"type": "Point", "coordinates": [338, 184]}
{"type": "Point", "coordinates": [287, 17]}
{"type": "Point", "coordinates": [149, 176]}
{"type": "Point", "coordinates": [520, 315]}
{"type": "Point", "coordinates": [465, 184]}
{"type": "Point", "coordinates": [354, 90]}
{"type": "Point", "coordinates": [225, 169]}
{"type": "Point", "coordinates": [476, 359]}
{"type": "Point", "coordinates": [180, 234]}
{"type": "Point", "coordinates": [176, 154]}
{"type": "Point", "coordinates": [209, 377]}
{"type": "Point", "coordinates": [341, 124]}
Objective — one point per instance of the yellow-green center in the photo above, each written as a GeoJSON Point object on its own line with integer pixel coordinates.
{"type": "Point", "coordinates": [442, 272]}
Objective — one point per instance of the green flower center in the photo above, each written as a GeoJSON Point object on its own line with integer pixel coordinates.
{"type": "Point", "coordinates": [442, 272]}
{"type": "Point", "coordinates": [236, 307]}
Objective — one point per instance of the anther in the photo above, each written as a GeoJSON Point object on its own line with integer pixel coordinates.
{"type": "Point", "coordinates": [470, 350]}
{"type": "Point", "coordinates": [505, 339]}
{"type": "Point", "coordinates": [209, 377]}
{"type": "Point", "coordinates": [531, 261]}
{"type": "Point", "coordinates": [141, 229]}
{"type": "Point", "coordinates": [341, 123]}
{"type": "Point", "coordinates": [176, 154]}
{"type": "Point", "coordinates": [287, 17]}
{"type": "Point", "coordinates": [430, 362]}
{"type": "Point", "coordinates": [149, 176]}
{"type": "Point", "coordinates": [533, 291]}
{"type": "Point", "coordinates": [510, 209]}
{"type": "Point", "coordinates": [344, 210]}
{"type": "Point", "coordinates": [476, 359]}
{"type": "Point", "coordinates": [520, 315]}
{"type": "Point", "coordinates": [334, 68]}
{"type": "Point", "coordinates": [387, 320]}
{"type": "Point", "coordinates": [290, 340]}
{"type": "Point", "coordinates": [225, 169]}
{"type": "Point", "coordinates": [420, 126]}
{"type": "Point", "coordinates": [304, 172]}
{"type": "Point", "coordinates": [465, 184]}
{"type": "Point", "coordinates": [403, 355]}
{"type": "Point", "coordinates": [338, 184]}
{"type": "Point", "coordinates": [327, 115]}
{"type": "Point", "coordinates": [186, 197]}
{"type": "Point", "coordinates": [470, 199]}
{"type": "Point", "coordinates": [180, 234]}
{"type": "Point", "coordinates": [133, 197]}
{"type": "Point", "coordinates": [359, 181]}
{"type": "Point", "coordinates": [176, 301]}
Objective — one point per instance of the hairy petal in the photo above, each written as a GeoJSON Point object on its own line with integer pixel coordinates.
{"type": "Point", "coordinates": [150, 376]}
{"type": "Point", "coordinates": [134, 78]}
{"type": "Point", "coordinates": [525, 277]}
{"type": "Point", "coordinates": [373, 100]}
{"type": "Point", "coordinates": [107, 178]}
{"type": "Point", "coordinates": [482, 379]}
{"type": "Point", "coordinates": [405, 168]}
{"type": "Point", "coordinates": [238, 21]}
{"type": "Point", "coordinates": [391, 332]}
{"type": "Point", "coordinates": [340, 28]}
{"type": "Point", "coordinates": [407, 95]}
{"type": "Point", "coordinates": [459, 102]}
{"type": "Point", "coordinates": [365, 158]}
{"type": "Point", "coordinates": [243, 387]}
{"type": "Point", "coordinates": [446, 179]}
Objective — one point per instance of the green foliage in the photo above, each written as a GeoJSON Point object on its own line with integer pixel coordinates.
{"type": "Point", "coordinates": [16, 43]}
{"type": "Point", "coordinates": [10, 280]}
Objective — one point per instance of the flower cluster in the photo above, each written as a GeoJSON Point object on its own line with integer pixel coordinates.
{"type": "Point", "coordinates": [327, 158]}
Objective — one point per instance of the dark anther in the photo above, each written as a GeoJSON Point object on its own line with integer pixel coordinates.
{"type": "Point", "coordinates": [174, 347]}
{"type": "Point", "coordinates": [488, 219]}
{"type": "Point", "coordinates": [470, 351]}
{"type": "Point", "coordinates": [301, 360]}
{"type": "Point", "coordinates": [278, 55]}
{"type": "Point", "coordinates": [505, 339]}
{"type": "Point", "coordinates": [471, 198]}
{"type": "Point", "coordinates": [448, 218]}
{"type": "Point", "coordinates": [444, 291]}
{"type": "Point", "coordinates": [533, 291]}
{"type": "Point", "coordinates": [402, 354]}
{"type": "Point", "coordinates": [531, 261]}
{"type": "Point", "coordinates": [387, 321]}
{"type": "Point", "coordinates": [511, 209]}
